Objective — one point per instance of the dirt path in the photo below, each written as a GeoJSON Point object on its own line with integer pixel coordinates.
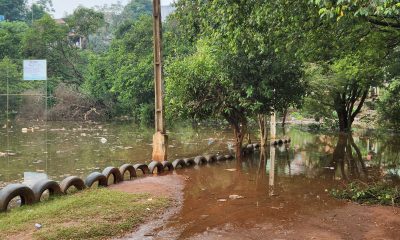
{"type": "Point", "coordinates": [170, 186]}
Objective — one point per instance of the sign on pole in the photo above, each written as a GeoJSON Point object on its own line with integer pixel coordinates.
{"type": "Point", "coordinates": [35, 70]}
{"type": "Point", "coordinates": [2, 18]}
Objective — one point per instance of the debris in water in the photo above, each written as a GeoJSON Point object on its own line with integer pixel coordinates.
{"type": "Point", "coordinates": [5, 154]}
{"type": "Point", "coordinates": [103, 140]}
{"type": "Point", "coordinates": [331, 168]}
{"type": "Point", "coordinates": [38, 226]}
{"type": "Point", "coordinates": [231, 169]}
{"type": "Point", "coordinates": [222, 200]}
{"type": "Point", "coordinates": [234, 196]}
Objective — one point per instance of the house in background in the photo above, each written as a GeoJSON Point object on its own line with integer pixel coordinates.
{"type": "Point", "coordinates": [72, 36]}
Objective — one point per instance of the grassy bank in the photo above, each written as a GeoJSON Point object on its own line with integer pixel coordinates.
{"type": "Point", "coordinates": [374, 193]}
{"type": "Point", "coordinates": [90, 214]}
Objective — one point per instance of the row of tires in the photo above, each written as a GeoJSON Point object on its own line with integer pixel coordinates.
{"type": "Point", "coordinates": [33, 195]}
{"type": "Point", "coordinates": [255, 146]}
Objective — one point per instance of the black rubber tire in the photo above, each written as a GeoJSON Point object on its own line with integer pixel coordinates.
{"type": "Point", "coordinates": [96, 177]}
{"type": "Point", "coordinates": [72, 181]}
{"type": "Point", "coordinates": [43, 185]}
{"type": "Point", "coordinates": [168, 165]}
{"type": "Point", "coordinates": [156, 165]}
{"type": "Point", "coordinates": [189, 161]}
{"type": "Point", "coordinates": [115, 172]}
{"type": "Point", "coordinates": [221, 158]}
{"type": "Point", "coordinates": [229, 157]}
{"type": "Point", "coordinates": [256, 145]}
{"type": "Point", "coordinates": [210, 158]}
{"type": "Point", "coordinates": [200, 160]}
{"type": "Point", "coordinates": [13, 190]}
{"type": "Point", "coordinates": [178, 162]}
{"type": "Point", "coordinates": [280, 141]}
{"type": "Point", "coordinates": [143, 167]}
{"type": "Point", "coordinates": [275, 143]}
{"type": "Point", "coordinates": [128, 167]}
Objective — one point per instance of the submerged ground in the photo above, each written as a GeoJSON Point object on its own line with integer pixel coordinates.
{"type": "Point", "coordinates": [282, 194]}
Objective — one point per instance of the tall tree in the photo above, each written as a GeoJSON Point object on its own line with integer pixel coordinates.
{"type": "Point", "coordinates": [11, 36]}
{"type": "Point", "coordinates": [13, 10]}
{"type": "Point", "coordinates": [85, 21]}
{"type": "Point", "coordinates": [48, 40]}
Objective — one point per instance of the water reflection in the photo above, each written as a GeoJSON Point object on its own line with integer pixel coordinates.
{"type": "Point", "coordinates": [76, 149]}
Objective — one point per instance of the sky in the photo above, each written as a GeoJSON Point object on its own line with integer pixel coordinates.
{"type": "Point", "coordinates": [61, 6]}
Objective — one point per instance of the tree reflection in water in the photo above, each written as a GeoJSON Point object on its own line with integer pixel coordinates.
{"type": "Point", "coordinates": [347, 160]}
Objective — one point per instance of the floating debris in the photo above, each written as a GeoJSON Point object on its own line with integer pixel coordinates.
{"type": "Point", "coordinates": [235, 196]}
{"type": "Point", "coordinates": [103, 140]}
{"type": "Point", "coordinates": [231, 169]}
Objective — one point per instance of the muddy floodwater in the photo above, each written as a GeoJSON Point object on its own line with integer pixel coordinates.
{"type": "Point", "coordinates": [254, 201]}
{"type": "Point", "coordinates": [60, 149]}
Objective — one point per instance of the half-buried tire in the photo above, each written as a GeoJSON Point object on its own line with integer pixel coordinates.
{"type": "Point", "coordinates": [96, 177]}
{"type": "Point", "coordinates": [72, 181]}
{"type": "Point", "coordinates": [189, 161]}
{"type": "Point", "coordinates": [200, 160]}
{"type": "Point", "coordinates": [108, 171]}
{"type": "Point", "coordinates": [210, 158]}
{"type": "Point", "coordinates": [156, 165]}
{"type": "Point", "coordinates": [178, 162]}
{"type": "Point", "coordinates": [167, 165]}
{"type": "Point", "coordinates": [14, 190]}
{"type": "Point", "coordinates": [142, 167]}
{"type": "Point", "coordinates": [41, 186]}
{"type": "Point", "coordinates": [221, 158]}
{"type": "Point", "coordinates": [127, 167]}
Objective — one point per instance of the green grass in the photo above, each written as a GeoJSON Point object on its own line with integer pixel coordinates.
{"type": "Point", "coordinates": [90, 214]}
{"type": "Point", "coordinates": [374, 193]}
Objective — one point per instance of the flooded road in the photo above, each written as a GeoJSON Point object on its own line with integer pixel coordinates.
{"type": "Point", "coordinates": [251, 200]}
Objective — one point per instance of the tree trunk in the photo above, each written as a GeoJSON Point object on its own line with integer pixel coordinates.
{"type": "Point", "coordinates": [262, 126]}
{"type": "Point", "coordinates": [239, 130]}
{"type": "Point", "coordinates": [285, 112]}
{"type": "Point", "coordinates": [346, 109]}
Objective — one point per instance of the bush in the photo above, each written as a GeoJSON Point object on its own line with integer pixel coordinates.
{"type": "Point", "coordinates": [389, 104]}
{"type": "Point", "coordinates": [377, 193]}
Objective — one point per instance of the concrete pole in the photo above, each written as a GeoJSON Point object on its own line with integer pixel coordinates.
{"type": "Point", "coordinates": [273, 125]}
{"type": "Point", "coordinates": [160, 139]}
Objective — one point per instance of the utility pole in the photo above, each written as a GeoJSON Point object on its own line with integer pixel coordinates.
{"type": "Point", "coordinates": [160, 139]}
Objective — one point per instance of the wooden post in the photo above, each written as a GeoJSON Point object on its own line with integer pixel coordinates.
{"type": "Point", "coordinates": [160, 139]}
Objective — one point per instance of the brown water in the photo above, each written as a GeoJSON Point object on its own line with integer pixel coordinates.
{"type": "Point", "coordinates": [282, 194]}
{"type": "Point", "coordinates": [61, 149]}
{"type": "Point", "coordinates": [65, 148]}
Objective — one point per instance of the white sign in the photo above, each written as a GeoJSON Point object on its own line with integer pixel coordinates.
{"type": "Point", "coordinates": [35, 70]}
